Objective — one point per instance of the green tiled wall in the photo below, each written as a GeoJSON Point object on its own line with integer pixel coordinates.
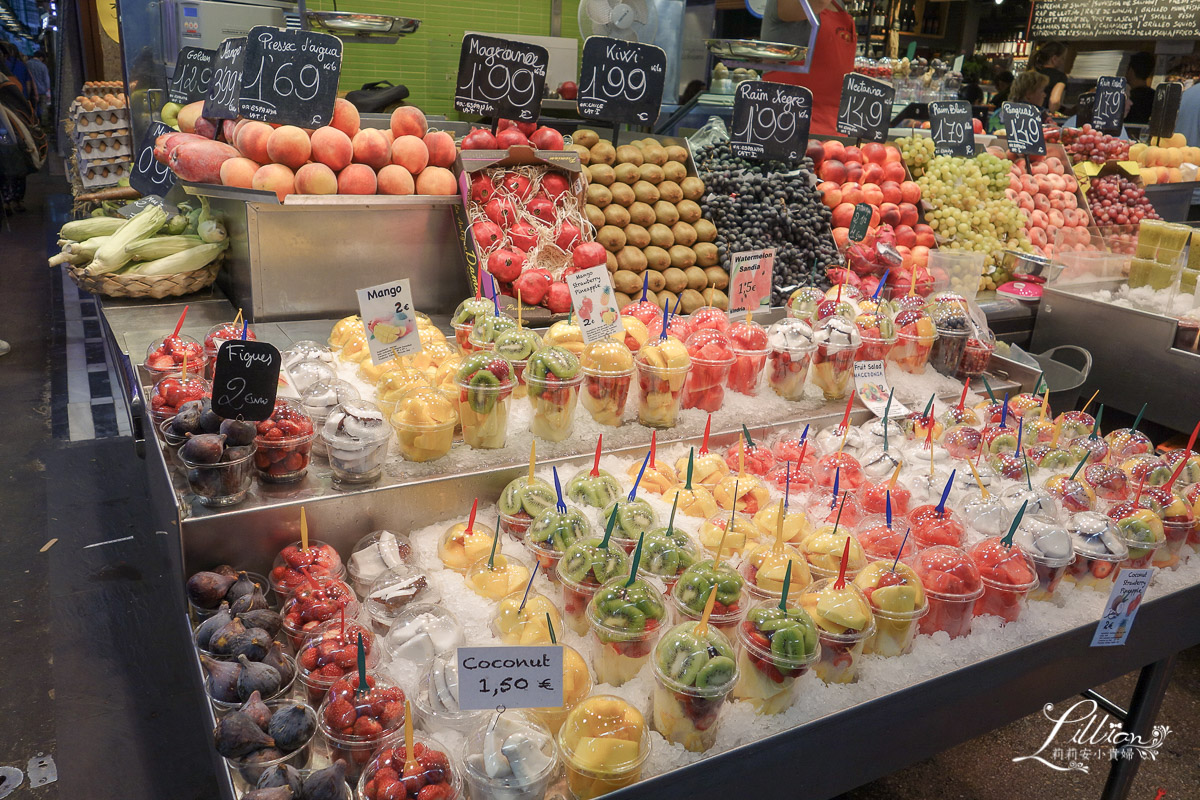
{"type": "Point", "coordinates": [427, 61]}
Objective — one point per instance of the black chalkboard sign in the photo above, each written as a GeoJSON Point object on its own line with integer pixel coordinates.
{"type": "Point", "coordinates": [149, 176]}
{"type": "Point", "coordinates": [1109, 113]}
{"type": "Point", "coordinates": [246, 379]}
{"type": "Point", "coordinates": [1083, 111]}
{"type": "Point", "coordinates": [770, 121]}
{"type": "Point", "coordinates": [865, 110]}
{"type": "Point", "coordinates": [1115, 19]}
{"type": "Point", "coordinates": [499, 78]}
{"type": "Point", "coordinates": [193, 71]}
{"type": "Point", "coordinates": [952, 128]}
{"type": "Point", "coordinates": [221, 101]}
{"type": "Point", "coordinates": [860, 221]}
{"type": "Point", "coordinates": [1023, 128]}
{"type": "Point", "coordinates": [621, 81]}
{"type": "Point", "coordinates": [290, 77]}
{"type": "Point", "coordinates": [1166, 110]}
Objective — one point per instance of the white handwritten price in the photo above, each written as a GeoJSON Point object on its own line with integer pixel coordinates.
{"type": "Point", "coordinates": [188, 77]}
{"type": "Point", "coordinates": [236, 396]}
{"type": "Point", "coordinates": [304, 87]}
{"type": "Point", "coordinates": [224, 86]}
{"type": "Point", "coordinates": [763, 125]}
{"type": "Point", "coordinates": [151, 167]}
{"type": "Point", "coordinates": [614, 83]}
{"type": "Point", "coordinates": [951, 131]}
{"type": "Point", "coordinates": [864, 113]}
{"type": "Point", "coordinates": [499, 82]}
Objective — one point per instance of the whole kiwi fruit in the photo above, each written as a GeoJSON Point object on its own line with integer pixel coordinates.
{"type": "Point", "coordinates": [611, 262]}
{"type": "Point", "coordinates": [655, 153]}
{"type": "Point", "coordinates": [717, 277]}
{"type": "Point", "coordinates": [626, 281]}
{"type": "Point", "coordinates": [661, 236]}
{"type": "Point", "coordinates": [651, 173]}
{"type": "Point", "coordinates": [705, 230]}
{"type": "Point", "coordinates": [670, 191]}
{"type": "Point", "coordinates": [693, 188]}
{"type": "Point", "coordinates": [598, 195]}
{"type": "Point", "coordinates": [665, 213]}
{"type": "Point", "coordinates": [656, 280]}
{"type": "Point", "coordinates": [657, 258]}
{"type": "Point", "coordinates": [627, 173]}
{"type": "Point", "coordinates": [646, 192]}
{"type": "Point", "coordinates": [689, 211]}
{"type": "Point", "coordinates": [706, 254]}
{"type": "Point", "coordinates": [632, 259]}
{"type": "Point", "coordinates": [666, 299]}
{"type": "Point", "coordinates": [628, 154]}
{"type": "Point", "coordinates": [602, 174]}
{"type": "Point", "coordinates": [585, 136]}
{"type": "Point", "coordinates": [674, 171]}
{"type": "Point", "coordinates": [622, 194]}
{"type": "Point", "coordinates": [585, 155]}
{"type": "Point", "coordinates": [622, 299]}
{"type": "Point", "coordinates": [696, 278]}
{"type": "Point", "coordinates": [617, 215]}
{"type": "Point", "coordinates": [643, 214]}
{"type": "Point", "coordinates": [685, 234]}
{"type": "Point", "coordinates": [636, 235]}
{"type": "Point", "coordinates": [690, 300]}
{"type": "Point", "coordinates": [715, 297]}
{"type": "Point", "coordinates": [676, 280]}
{"type": "Point", "coordinates": [594, 215]}
{"type": "Point", "coordinates": [677, 153]}
{"type": "Point", "coordinates": [682, 257]}
{"type": "Point", "coordinates": [603, 153]}
{"type": "Point", "coordinates": [612, 237]}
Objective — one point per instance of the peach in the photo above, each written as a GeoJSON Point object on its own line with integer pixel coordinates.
{"type": "Point", "coordinates": [239, 172]}
{"type": "Point", "coordinates": [841, 237]}
{"type": "Point", "coordinates": [908, 214]}
{"type": "Point", "coordinates": [395, 179]}
{"type": "Point", "coordinates": [893, 154]}
{"type": "Point", "coordinates": [833, 170]}
{"type": "Point", "coordinates": [316, 179]}
{"type": "Point", "coordinates": [371, 147]}
{"type": "Point", "coordinates": [906, 237]}
{"type": "Point", "coordinates": [894, 171]}
{"type": "Point", "coordinates": [831, 193]}
{"type": "Point", "coordinates": [1056, 218]}
{"type": "Point", "coordinates": [872, 173]}
{"type": "Point", "coordinates": [874, 152]}
{"type": "Point", "coordinates": [410, 152]}
{"type": "Point", "coordinates": [891, 192]}
{"type": "Point", "coordinates": [409, 121]}
{"type": "Point", "coordinates": [332, 147]}
{"type": "Point", "coordinates": [1038, 237]}
{"type": "Point", "coordinates": [274, 178]}
{"type": "Point", "coordinates": [290, 146]}
{"type": "Point", "coordinates": [910, 192]}
{"type": "Point", "coordinates": [252, 141]}
{"type": "Point", "coordinates": [834, 149]}
{"type": "Point", "coordinates": [889, 213]}
{"type": "Point", "coordinates": [345, 117]}
{"type": "Point", "coordinates": [356, 179]}
{"type": "Point", "coordinates": [854, 171]}
{"type": "Point", "coordinates": [842, 215]}
{"type": "Point", "coordinates": [436, 180]}
{"type": "Point", "coordinates": [853, 155]}
{"type": "Point", "coordinates": [872, 194]}
{"type": "Point", "coordinates": [852, 193]}
{"type": "Point", "coordinates": [440, 146]}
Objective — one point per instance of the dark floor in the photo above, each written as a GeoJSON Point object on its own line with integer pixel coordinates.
{"type": "Point", "coordinates": [93, 662]}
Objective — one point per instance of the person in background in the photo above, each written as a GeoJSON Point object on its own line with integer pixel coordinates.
{"type": "Point", "coordinates": [1029, 87]}
{"type": "Point", "coordinates": [10, 56]}
{"type": "Point", "coordinates": [971, 93]}
{"type": "Point", "coordinates": [1188, 123]}
{"type": "Point", "coordinates": [1048, 60]}
{"type": "Point", "coordinates": [41, 81]}
{"type": "Point", "coordinates": [1004, 82]}
{"type": "Point", "coordinates": [25, 146]}
{"type": "Point", "coordinates": [1138, 75]}
{"type": "Point", "coordinates": [832, 56]}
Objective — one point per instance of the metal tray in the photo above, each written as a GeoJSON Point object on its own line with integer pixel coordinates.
{"type": "Point", "coordinates": [350, 26]}
{"type": "Point", "coordinates": [753, 50]}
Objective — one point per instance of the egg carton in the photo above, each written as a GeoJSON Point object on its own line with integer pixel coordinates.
{"type": "Point", "coordinates": [91, 136]}
{"type": "Point", "coordinates": [105, 174]}
{"type": "Point", "coordinates": [95, 150]}
{"type": "Point", "coordinates": [100, 88]}
{"type": "Point", "coordinates": [86, 122]}
{"type": "Point", "coordinates": [103, 161]}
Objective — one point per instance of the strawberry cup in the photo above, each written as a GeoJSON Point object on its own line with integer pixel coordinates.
{"type": "Point", "coordinates": [977, 352]}
{"type": "Point", "coordinates": [315, 602]}
{"type": "Point", "coordinates": [552, 379]}
{"type": "Point", "coordinates": [1099, 549]}
{"type": "Point", "coordinates": [952, 586]}
{"type": "Point", "coordinates": [485, 385]}
{"type": "Point", "coordinates": [931, 527]}
{"type": "Point", "coordinates": [219, 335]}
{"type": "Point", "coordinates": [436, 775]}
{"type": "Point", "coordinates": [583, 568]}
{"type": "Point", "coordinates": [898, 602]}
{"type": "Point", "coordinates": [295, 564]}
{"type": "Point", "coordinates": [625, 618]}
{"type": "Point", "coordinates": [358, 723]}
{"type": "Point", "coordinates": [172, 391]}
{"type": "Point", "coordinates": [607, 369]}
{"type": "Point", "coordinates": [776, 646]}
{"type": "Point", "coordinates": [285, 441]}
{"type": "Point", "coordinates": [166, 355]}
{"type": "Point", "coordinates": [1008, 574]}
{"type": "Point", "coordinates": [695, 669]}
{"type": "Point", "coordinates": [330, 653]}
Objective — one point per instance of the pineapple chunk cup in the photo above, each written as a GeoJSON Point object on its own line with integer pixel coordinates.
{"type": "Point", "coordinates": [898, 601]}
{"type": "Point", "coordinates": [844, 624]}
{"type": "Point", "coordinates": [577, 684]}
{"type": "Point", "coordinates": [498, 579]}
{"type": "Point", "coordinates": [662, 373]}
{"type": "Point", "coordinates": [777, 646]}
{"type": "Point", "coordinates": [517, 624]}
{"type": "Point", "coordinates": [424, 422]}
{"type": "Point", "coordinates": [604, 742]}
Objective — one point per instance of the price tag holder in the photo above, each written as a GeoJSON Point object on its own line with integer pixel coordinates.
{"type": "Point", "coordinates": [1085, 109]}
{"type": "Point", "coordinates": [865, 110]}
{"type": "Point", "coordinates": [137, 206]}
{"type": "Point", "coordinates": [750, 280]}
{"type": "Point", "coordinates": [498, 78]}
{"type": "Point", "coordinates": [290, 77]}
{"type": "Point", "coordinates": [770, 121]}
{"type": "Point", "coordinates": [621, 81]}
{"type": "Point", "coordinates": [150, 176]}
{"type": "Point", "coordinates": [1109, 113]}
{"type": "Point", "coordinates": [870, 382]}
{"type": "Point", "coordinates": [1166, 110]}
{"type": "Point", "coordinates": [193, 71]}
{"type": "Point", "coordinates": [952, 128]}
{"type": "Point", "coordinates": [860, 221]}
{"type": "Point", "coordinates": [595, 303]}
{"type": "Point", "coordinates": [1123, 602]}
{"type": "Point", "coordinates": [390, 320]}
{"type": "Point", "coordinates": [221, 100]}
{"type": "Point", "coordinates": [512, 677]}
{"type": "Point", "coordinates": [246, 380]}
{"type": "Point", "coordinates": [1023, 128]}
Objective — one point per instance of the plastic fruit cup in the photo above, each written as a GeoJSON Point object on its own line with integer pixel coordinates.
{"type": "Point", "coordinates": [314, 603]}
{"type": "Point", "coordinates": [874, 348]}
{"type": "Point", "coordinates": [788, 371]}
{"type": "Point", "coordinates": [951, 613]}
{"type": "Point", "coordinates": [894, 631]}
{"type": "Point", "coordinates": [1141, 554]}
{"type": "Point", "coordinates": [247, 775]}
{"type": "Point", "coordinates": [1094, 570]}
{"type": "Point", "coordinates": [365, 465]}
{"type": "Point", "coordinates": [605, 394]}
{"type": "Point", "coordinates": [947, 351]}
{"type": "Point", "coordinates": [173, 390]}
{"type": "Point", "coordinates": [621, 650]}
{"type": "Point", "coordinates": [285, 690]}
{"type": "Point", "coordinates": [725, 622]}
{"type": "Point", "coordinates": [439, 770]}
{"type": "Point", "coordinates": [484, 414]}
{"type": "Point", "coordinates": [367, 562]}
{"type": "Point", "coordinates": [661, 393]}
{"type": "Point", "coordinates": [595, 764]}
{"type": "Point", "coordinates": [840, 653]}
{"type": "Point", "coordinates": [329, 654]}
{"type": "Point", "coordinates": [833, 370]}
{"type": "Point", "coordinates": [765, 679]}
{"type": "Point", "coordinates": [1169, 555]}
{"type": "Point", "coordinates": [478, 771]}
{"type": "Point", "coordinates": [462, 336]}
{"type": "Point", "coordinates": [911, 352]}
{"type": "Point", "coordinates": [292, 563]}
{"type": "Point", "coordinates": [576, 597]}
{"type": "Point", "coordinates": [1001, 569]}
{"type": "Point", "coordinates": [687, 715]}
{"type": "Point", "coordinates": [577, 684]}
{"type": "Point", "coordinates": [283, 460]}
{"type": "Point", "coordinates": [395, 590]}
{"type": "Point", "coordinates": [219, 335]}
{"type": "Point", "coordinates": [433, 712]}
{"type": "Point", "coordinates": [705, 386]}
{"type": "Point", "coordinates": [547, 559]}
{"type": "Point", "coordinates": [553, 402]}
{"type": "Point", "coordinates": [976, 355]}
{"type": "Point", "coordinates": [422, 443]}
{"type": "Point", "coordinates": [165, 355]}
{"type": "Point", "coordinates": [378, 713]}
{"type": "Point", "coordinates": [223, 484]}
{"type": "Point", "coordinates": [199, 614]}
{"type": "Point", "coordinates": [1050, 572]}
{"type": "Point", "coordinates": [747, 367]}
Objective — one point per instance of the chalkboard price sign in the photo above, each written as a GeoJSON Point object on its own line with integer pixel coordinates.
{"type": "Point", "coordinates": [621, 81]}
{"type": "Point", "coordinates": [1166, 110]}
{"type": "Point", "coordinates": [1109, 113]}
{"type": "Point", "coordinates": [290, 77]}
{"type": "Point", "coordinates": [500, 78]}
{"type": "Point", "coordinates": [1023, 127]}
{"type": "Point", "coordinates": [221, 99]}
{"type": "Point", "coordinates": [149, 176]}
{"type": "Point", "coordinates": [865, 109]}
{"type": "Point", "coordinates": [952, 128]}
{"type": "Point", "coordinates": [770, 121]}
{"type": "Point", "coordinates": [193, 71]}
{"type": "Point", "coordinates": [1085, 109]}
{"type": "Point", "coordinates": [246, 379]}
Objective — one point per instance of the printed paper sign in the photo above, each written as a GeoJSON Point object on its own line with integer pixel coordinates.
{"type": "Point", "coordinates": [870, 381]}
{"type": "Point", "coordinates": [1123, 602]}
{"type": "Point", "coordinates": [595, 303]}
{"type": "Point", "coordinates": [512, 677]}
{"type": "Point", "coordinates": [750, 282]}
{"type": "Point", "coordinates": [387, 314]}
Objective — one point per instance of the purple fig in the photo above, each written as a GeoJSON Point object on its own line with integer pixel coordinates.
{"type": "Point", "coordinates": [221, 642]}
{"type": "Point", "coordinates": [257, 710]}
{"type": "Point", "coordinates": [206, 629]}
{"type": "Point", "coordinates": [207, 589]}
{"type": "Point", "coordinates": [253, 644]}
{"type": "Point", "coordinates": [249, 602]}
{"type": "Point", "coordinates": [256, 677]}
{"type": "Point", "coordinates": [233, 454]}
{"type": "Point", "coordinates": [222, 679]}
{"type": "Point", "coordinates": [280, 775]}
{"type": "Point", "coordinates": [264, 618]}
{"type": "Point", "coordinates": [203, 449]}
{"type": "Point", "coordinates": [292, 726]}
{"type": "Point", "coordinates": [278, 660]}
{"type": "Point", "coordinates": [187, 418]}
{"type": "Point", "coordinates": [237, 735]}
{"type": "Point", "coordinates": [210, 422]}
{"type": "Point", "coordinates": [238, 433]}
{"type": "Point", "coordinates": [326, 784]}
{"type": "Point", "coordinates": [243, 586]}
{"type": "Point", "coordinates": [271, 793]}
{"type": "Point", "coordinates": [225, 569]}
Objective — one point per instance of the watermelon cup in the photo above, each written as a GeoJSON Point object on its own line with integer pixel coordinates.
{"type": "Point", "coordinates": [552, 378]}
{"type": "Point", "coordinates": [709, 318]}
{"type": "Point", "coordinates": [791, 447]}
{"type": "Point", "coordinates": [604, 742]}
{"type": "Point", "coordinates": [1099, 549]}
{"type": "Point", "coordinates": [915, 335]}
{"type": "Point", "coordinates": [1008, 574]}
{"type": "Point", "coordinates": [695, 669]}
{"type": "Point", "coordinates": [667, 553]}
{"type": "Point", "coordinates": [952, 585]}
{"type": "Point", "coordinates": [776, 646]}
{"type": "Point", "coordinates": [873, 497]}
{"type": "Point", "coordinates": [882, 542]}
{"type": "Point", "coordinates": [690, 593]}
{"type": "Point", "coordinates": [1049, 545]}
{"type": "Point", "coordinates": [521, 501]}
{"type": "Point", "coordinates": [584, 566]}
{"type": "Point", "coordinates": [764, 570]}
{"type": "Point", "coordinates": [878, 334]}
{"type": "Point", "coordinates": [844, 624]}
{"type": "Point", "coordinates": [840, 468]}
{"type": "Point", "coordinates": [837, 341]}
{"type": "Point", "coordinates": [624, 618]}
{"type": "Point", "coordinates": [898, 602]}
{"type": "Point", "coordinates": [790, 350]}
{"type": "Point", "coordinates": [759, 460]}
{"type": "Point", "coordinates": [931, 527]}
{"type": "Point", "coordinates": [678, 326]}
{"type": "Point", "coordinates": [824, 508]}
{"type": "Point", "coordinates": [552, 532]}
{"type": "Point", "coordinates": [485, 385]}
{"type": "Point", "coordinates": [795, 480]}
{"type": "Point", "coordinates": [607, 369]}
{"type": "Point", "coordinates": [823, 551]}
{"type": "Point", "coordinates": [463, 320]}
{"type": "Point", "coordinates": [749, 342]}
{"type": "Point", "coordinates": [662, 370]}
{"type": "Point", "coordinates": [712, 358]}
{"type": "Point", "coordinates": [803, 303]}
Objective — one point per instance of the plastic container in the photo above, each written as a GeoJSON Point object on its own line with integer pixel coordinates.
{"type": "Point", "coordinates": [607, 369]}
{"type": "Point", "coordinates": [553, 531]}
{"type": "Point", "coordinates": [285, 442]}
{"type": "Point", "coordinates": [823, 552]}
{"type": "Point", "coordinates": [954, 327]}
{"type": "Point", "coordinates": [1172, 553]}
{"type": "Point", "coordinates": [314, 602]}
{"type": "Point", "coordinates": [304, 374]}
{"type": "Point", "coordinates": [775, 648]}
{"type": "Point", "coordinates": [321, 397]}
{"type": "Point", "coordinates": [844, 624]}
{"type": "Point", "coordinates": [1143, 534]}
{"type": "Point", "coordinates": [553, 402]}
{"type": "Point", "coordinates": [624, 620]}
{"type": "Point", "coordinates": [662, 370]}
{"type": "Point", "coordinates": [357, 724]}
{"type": "Point", "coordinates": [421, 632]}
{"type": "Point", "coordinates": [459, 548]}
{"type": "Point", "coordinates": [577, 684]}
{"type": "Point", "coordinates": [603, 744]}
{"type": "Point", "coordinates": [394, 384]}
{"type": "Point", "coordinates": [790, 353]}
{"type": "Point", "coordinates": [285, 689]}
{"type": "Point", "coordinates": [521, 501]}
{"type": "Point", "coordinates": [952, 585]}
{"type": "Point", "coordinates": [373, 555]}
{"type": "Point", "coordinates": [712, 358]}
{"type": "Point", "coordinates": [581, 571]}
{"type": "Point", "coordinates": [306, 350]}
{"type": "Point", "coordinates": [695, 670]}
{"type": "Point", "coordinates": [424, 421]}
{"type": "Point", "coordinates": [837, 341]}
{"type": "Point", "coordinates": [898, 602]}
{"type": "Point", "coordinates": [956, 271]}
{"type": "Point", "coordinates": [879, 542]}
{"type": "Point", "coordinates": [878, 334]}
{"type": "Point", "coordinates": [395, 590]}
{"type": "Point", "coordinates": [495, 578]}
{"type": "Point", "coordinates": [977, 352]}
{"type": "Point", "coordinates": [247, 773]}
{"type": "Point", "coordinates": [438, 768]}
{"type": "Point", "coordinates": [510, 756]}
{"type": "Point", "coordinates": [526, 618]}
{"type": "Point", "coordinates": [436, 701]}
{"type": "Point", "coordinates": [166, 353]}
{"type": "Point", "coordinates": [1008, 574]}
{"type": "Point", "coordinates": [749, 342]}
{"type": "Point", "coordinates": [222, 484]}
{"type": "Point", "coordinates": [915, 336]}
{"type": "Point", "coordinates": [330, 653]}
{"type": "Point", "coordinates": [1099, 549]}
{"type": "Point", "coordinates": [690, 594]}
{"type": "Point", "coordinates": [483, 405]}
{"type": "Point", "coordinates": [712, 533]}
{"type": "Point", "coordinates": [294, 565]}
{"type": "Point", "coordinates": [344, 329]}
{"type": "Point", "coordinates": [173, 390]}
{"type": "Point", "coordinates": [931, 528]}
{"type": "Point", "coordinates": [1049, 545]}
{"type": "Point", "coordinates": [355, 436]}
{"type": "Point", "coordinates": [219, 335]}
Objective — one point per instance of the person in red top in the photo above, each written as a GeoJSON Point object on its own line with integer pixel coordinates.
{"type": "Point", "coordinates": [784, 21]}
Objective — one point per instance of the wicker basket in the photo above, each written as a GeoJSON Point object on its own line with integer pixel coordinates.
{"type": "Point", "coordinates": [153, 286]}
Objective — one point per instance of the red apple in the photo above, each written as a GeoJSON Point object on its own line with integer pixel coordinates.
{"type": "Point", "coordinates": [479, 139]}
{"type": "Point", "coordinates": [547, 139]}
{"type": "Point", "coordinates": [568, 90]}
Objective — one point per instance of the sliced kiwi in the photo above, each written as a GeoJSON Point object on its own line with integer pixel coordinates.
{"type": "Point", "coordinates": [624, 617]}
{"type": "Point", "coordinates": [693, 587]}
{"type": "Point", "coordinates": [681, 658]}
{"type": "Point", "coordinates": [729, 587]}
{"type": "Point", "coordinates": [789, 643]}
{"type": "Point", "coordinates": [717, 672]}
{"type": "Point", "coordinates": [576, 562]}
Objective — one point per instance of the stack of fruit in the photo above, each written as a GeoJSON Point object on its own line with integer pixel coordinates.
{"type": "Point", "coordinates": [1163, 162]}
{"type": "Point", "coordinates": [1089, 144]}
{"type": "Point", "coordinates": [1044, 188]}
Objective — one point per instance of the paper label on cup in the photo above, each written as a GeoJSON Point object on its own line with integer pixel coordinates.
{"type": "Point", "coordinates": [595, 303]}
{"type": "Point", "coordinates": [1123, 602]}
{"type": "Point", "coordinates": [750, 279]}
{"type": "Point", "coordinates": [512, 677]}
{"type": "Point", "coordinates": [870, 381]}
{"type": "Point", "coordinates": [390, 320]}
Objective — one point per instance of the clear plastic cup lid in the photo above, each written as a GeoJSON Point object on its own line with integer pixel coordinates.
{"type": "Point", "coordinates": [438, 768]}
{"type": "Point", "coordinates": [354, 425]}
{"type": "Point", "coordinates": [524, 496]}
{"type": "Point", "coordinates": [397, 588]}
{"type": "Point", "coordinates": [344, 329]}
{"type": "Point", "coordinates": [876, 325]}
{"type": "Point", "coordinates": [294, 562]}
{"type": "Point", "coordinates": [627, 612]}
{"type": "Point", "coordinates": [594, 490]}
{"type": "Point", "coordinates": [668, 552]}
{"type": "Point", "coordinates": [989, 517]}
{"type": "Point", "coordinates": [565, 333]}
{"type": "Point", "coordinates": [667, 355]}
{"type": "Point", "coordinates": [488, 328]}
{"type": "Point", "coordinates": [604, 734]}
{"type": "Point", "coordinates": [947, 572]}
{"type": "Point", "coordinates": [555, 531]}
{"type": "Point", "coordinates": [290, 420]}
{"type": "Point", "coordinates": [824, 548]}
{"type": "Point", "coordinates": [315, 600]}
{"type": "Point", "coordinates": [226, 332]}
{"type": "Point", "coordinates": [306, 350]}
{"type": "Point", "coordinates": [837, 333]}
{"type": "Point", "coordinates": [510, 751]}
{"type": "Point", "coordinates": [382, 705]}
{"type": "Point", "coordinates": [577, 680]}
{"type": "Point", "coordinates": [747, 336]}
{"type": "Point", "coordinates": [423, 407]}
{"type": "Point", "coordinates": [1003, 565]}
{"type": "Point", "coordinates": [552, 363]}
{"type": "Point", "coordinates": [483, 371]}
{"type": "Point", "coordinates": [517, 344]}
{"type": "Point", "coordinates": [166, 353]}
{"type": "Point", "coordinates": [713, 529]}
{"type": "Point", "coordinates": [378, 552]}
{"type": "Point", "coordinates": [496, 577]}
{"type": "Point", "coordinates": [696, 660]}
{"type": "Point", "coordinates": [306, 373]}
{"type": "Point", "coordinates": [838, 610]}
{"type": "Point", "coordinates": [320, 398]}
{"type": "Point", "coordinates": [459, 548]}
{"type": "Point", "coordinates": [439, 689]}
{"type": "Point", "coordinates": [804, 301]}
{"type": "Point", "coordinates": [892, 592]}
{"type": "Point", "coordinates": [606, 357]}
{"type": "Point", "coordinates": [1047, 543]}
{"type": "Point", "coordinates": [1094, 535]}
{"type": "Point", "coordinates": [790, 335]}
{"type": "Point", "coordinates": [765, 569]}
{"type": "Point", "coordinates": [587, 563]}
{"type": "Point", "coordinates": [422, 631]}
{"type": "Point", "coordinates": [469, 309]}
{"type": "Point", "coordinates": [1039, 503]}
{"type": "Point", "coordinates": [690, 592]}
{"type": "Point", "coordinates": [633, 517]}
{"type": "Point", "coordinates": [784, 637]}
{"type": "Point", "coordinates": [709, 317]}
{"type": "Point", "coordinates": [709, 345]}
{"type": "Point", "coordinates": [331, 651]}
{"type": "Point", "coordinates": [525, 618]}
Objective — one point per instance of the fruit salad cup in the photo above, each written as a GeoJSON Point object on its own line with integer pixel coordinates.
{"type": "Point", "coordinates": [880, 541]}
{"type": "Point", "coordinates": [356, 435]}
{"type": "Point", "coordinates": [166, 354]}
{"type": "Point", "coordinates": [1110, 484]}
{"type": "Point", "coordinates": [596, 488]}
{"type": "Point", "coordinates": [345, 328]}
{"type": "Point", "coordinates": [823, 551]}
{"type": "Point", "coordinates": [963, 442]}
{"type": "Point", "coordinates": [583, 568]}
{"type": "Point", "coordinates": [510, 756]}
{"type": "Point", "coordinates": [791, 347]}
{"type": "Point", "coordinates": [1125, 443]}
{"type": "Point", "coordinates": [624, 619]}
{"type": "Point", "coordinates": [878, 336]}
{"type": "Point", "coordinates": [1049, 545]}
{"type": "Point", "coordinates": [898, 602]}
{"type": "Point", "coordinates": [496, 578]}
{"type": "Point", "coordinates": [931, 527]}
{"type": "Point", "coordinates": [764, 570]}
{"type": "Point", "coordinates": [712, 533]}
{"type": "Point", "coordinates": [712, 358]}
{"type": "Point", "coordinates": [1008, 574]}
{"type": "Point", "coordinates": [172, 391]}
{"type": "Point", "coordinates": [696, 502]}
{"type": "Point", "coordinates": [436, 702]}
{"type": "Point", "coordinates": [315, 602]}
{"type": "Point", "coordinates": [330, 653]}
{"type": "Point", "coordinates": [776, 647]}
{"type": "Point", "coordinates": [803, 303]}
{"type": "Point", "coordinates": [395, 590]}
{"type": "Point", "coordinates": [837, 341]}
{"type": "Point", "coordinates": [1050, 458]}
{"type": "Point", "coordinates": [1179, 521]}
{"type": "Point", "coordinates": [667, 553]}
{"type": "Point", "coordinates": [295, 564]}
{"type": "Point", "coordinates": [633, 518]}
{"type": "Point", "coordinates": [1142, 531]}
{"type": "Point", "coordinates": [521, 501]}
{"type": "Point", "coordinates": [552, 379]}
{"type": "Point", "coordinates": [463, 320]}
{"type": "Point", "coordinates": [577, 684]}
{"type": "Point", "coordinates": [356, 724]}
{"type": "Point", "coordinates": [915, 335]}
{"type": "Point", "coordinates": [662, 369]}
{"type": "Point", "coordinates": [284, 441]}
{"type": "Point", "coordinates": [758, 458]}
{"type": "Point", "coordinates": [521, 619]}
{"type": "Point", "coordinates": [603, 743]}
{"type": "Point", "coordinates": [437, 772]}
{"type": "Point", "coordinates": [708, 469]}
{"type": "Point", "coordinates": [844, 624]}
{"type": "Point", "coordinates": [695, 669]}
{"type": "Point", "coordinates": [842, 467]}
{"type": "Point", "coordinates": [305, 373]}
{"type": "Point", "coordinates": [459, 548]}
{"type": "Point", "coordinates": [607, 368]}
{"type": "Point", "coordinates": [657, 479]}
{"type": "Point", "coordinates": [749, 342]}
{"type": "Point", "coordinates": [552, 532]}
{"type": "Point", "coordinates": [488, 328]}
{"type": "Point", "coordinates": [873, 497]}
{"type": "Point", "coordinates": [1099, 550]}
{"type": "Point", "coordinates": [219, 335]}
{"type": "Point", "coordinates": [952, 586]}
{"type": "Point", "coordinates": [690, 593]}
{"type": "Point", "coordinates": [517, 345]}
{"type": "Point", "coordinates": [1072, 495]}
{"type": "Point", "coordinates": [424, 421]}
{"type": "Point", "coordinates": [1146, 467]}
{"type": "Point", "coordinates": [485, 384]}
